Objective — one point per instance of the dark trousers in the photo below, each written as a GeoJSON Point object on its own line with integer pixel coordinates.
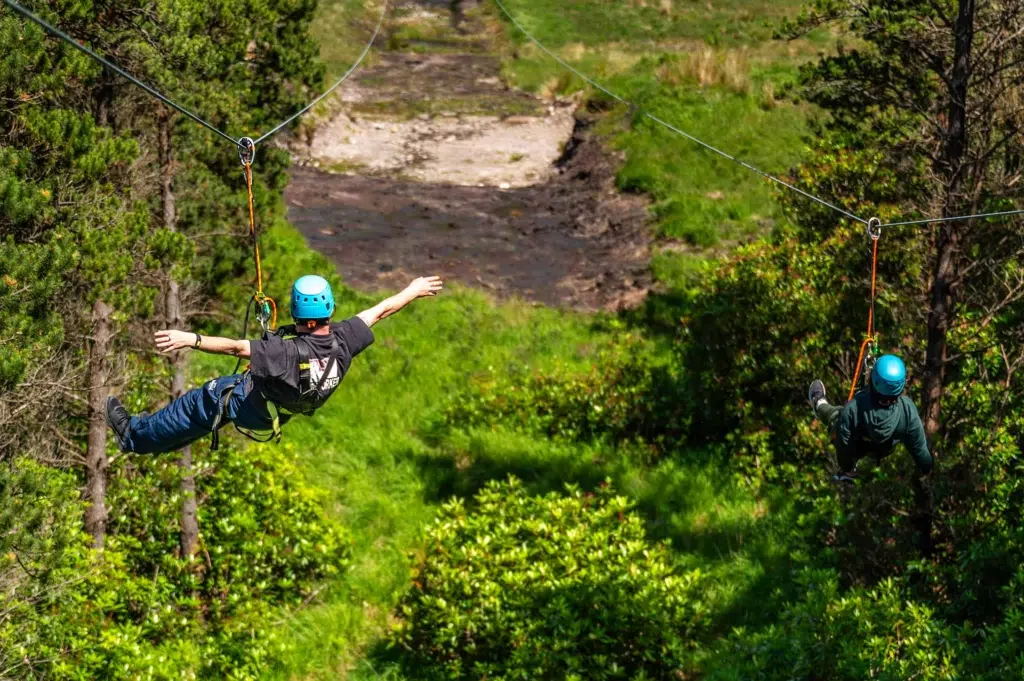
{"type": "Point", "coordinates": [829, 415]}
{"type": "Point", "coordinates": [192, 415]}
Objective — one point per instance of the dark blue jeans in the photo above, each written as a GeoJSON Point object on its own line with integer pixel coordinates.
{"type": "Point", "coordinates": [191, 416]}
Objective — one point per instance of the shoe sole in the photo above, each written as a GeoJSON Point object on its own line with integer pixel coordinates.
{"type": "Point", "coordinates": [814, 401]}
{"type": "Point", "coordinates": [117, 436]}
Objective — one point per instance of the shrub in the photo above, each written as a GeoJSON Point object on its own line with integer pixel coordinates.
{"type": "Point", "coordinates": [828, 636]}
{"type": "Point", "coordinates": [140, 610]}
{"type": "Point", "coordinates": [560, 586]}
{"type": "Point", "coordinates": [43, 556]}
{"type": "Point", "coordinates": [625, 397]}
{"type": "Point", "coordinates": [262, 531]}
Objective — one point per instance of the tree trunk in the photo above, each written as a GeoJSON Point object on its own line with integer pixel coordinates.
{"type": "Point", "coordinates": [942, 301]}
{"type": "Point", "coordinates": [189, 539]}
{"type": "Point", "coordinates": [96, 450]}
{"type": "Point", "coordinates": [189, 521]}
{"type": "Point", "coordinates": [953, 168]}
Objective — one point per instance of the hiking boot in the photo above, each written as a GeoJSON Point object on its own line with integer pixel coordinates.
{"type": "Point", "coordinates": [119, 421]}
{"type": "Point", "coordinates": [816, 395]}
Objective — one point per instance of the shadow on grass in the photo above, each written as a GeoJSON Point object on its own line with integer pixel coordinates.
{"type": "Point", "coordinates": [692, 499]}
{"type": "Point", "coordinates": [713, 522]}
{"type": "Point", "coordinates": [661, 314]}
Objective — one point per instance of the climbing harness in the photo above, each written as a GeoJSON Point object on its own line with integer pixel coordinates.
{"type": "Point", "coordinates": [311, 397]}
{"type": "Point", "coordinates": [869, 348]}
{"type": "Point", "coordinates": [279, 403]}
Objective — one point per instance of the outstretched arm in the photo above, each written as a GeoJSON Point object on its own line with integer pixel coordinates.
{"type": "Point", "coordinates": [169, 340]}
{"type": "Point", "coordinates": [420, 288]}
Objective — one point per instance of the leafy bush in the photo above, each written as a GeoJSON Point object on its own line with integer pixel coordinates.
{"type": "Point", "coordinates": [141, 611]}
{"type": "Point", "coordinates": [561, 586]}
{"type": "Point", "coordinates": [262, 531]}
{"type": "Point", "coordinates": [626, 396]}
{"type": "Point", "coordinates": [878, 634]}
{"type": "Point", "coordinates": [43, 558]}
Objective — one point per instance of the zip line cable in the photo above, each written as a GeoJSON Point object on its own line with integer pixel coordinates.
{"type": "Point", "coordinates": [366, 50]}
{"type": "Point", "coordinates": [113, 67]}
{"type": "Point", "coordinates": [723, 154]}
{"type": "Point", "coordinates": [874, 225]}
{"type": "Point", "coordinates": [958, 218]}
{"type": "Point", "coordinates": [250, 144]}
{"type": "Point", "coordinates": [668, 126]}
{"type": "Point", "coordinates": [266, 308]}
{"type": "Point", "coordinates": [50, 28]}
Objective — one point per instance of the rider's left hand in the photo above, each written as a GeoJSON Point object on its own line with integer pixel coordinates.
{"type": "Point", "coordinates": [169, 340]}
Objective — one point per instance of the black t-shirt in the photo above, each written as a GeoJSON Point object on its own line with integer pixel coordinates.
{"type": "Point", "coordinates": [275, 361]}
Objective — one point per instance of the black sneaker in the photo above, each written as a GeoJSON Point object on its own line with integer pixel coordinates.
{"type": "Point", "coordinates": [816, 394]}
{"type": "Point", "coordinates": [119, 421]}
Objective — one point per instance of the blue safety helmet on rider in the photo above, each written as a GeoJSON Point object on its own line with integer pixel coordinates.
{"type": "Point", "coordinates": [312, 299]}
{"type": "Point", "coordinates": [889, 376]}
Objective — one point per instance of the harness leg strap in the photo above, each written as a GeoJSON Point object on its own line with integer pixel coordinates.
{"type": "Point", "coordinates": [222, 406]}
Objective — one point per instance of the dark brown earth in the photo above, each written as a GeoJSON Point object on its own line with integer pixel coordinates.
{"type": "Point", "coordinates": [571, 242]}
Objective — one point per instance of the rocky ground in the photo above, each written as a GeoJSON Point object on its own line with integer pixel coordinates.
{"type": "Point", "coordinates": [431, 165]}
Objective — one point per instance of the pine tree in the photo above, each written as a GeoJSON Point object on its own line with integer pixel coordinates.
{"type": "Point", "coordinates": [929, 101]}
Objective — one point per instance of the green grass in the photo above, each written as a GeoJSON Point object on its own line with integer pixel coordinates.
{"type": "Point", "coordinates": [374, 448]}
{"type": "Point", "coordinates": [465, 105]}
{"type": "Point", "coordinates": [731, 22]}
{"type": "Point", "coordinates": [709, 69]}
{"type": "Point", "coordinates": [342, 28]}
{"type": "Point", "coordinates": [416, 33]}
{"type": "Point", "coordinates": [365, 447]}
{"type": "Point", "coordinates": [375, 451]}
{"type": "Point", "coordinates": [699, 196]}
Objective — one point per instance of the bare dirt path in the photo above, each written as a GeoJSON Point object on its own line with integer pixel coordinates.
{"type": "Point", "coordinates": [433, 166]}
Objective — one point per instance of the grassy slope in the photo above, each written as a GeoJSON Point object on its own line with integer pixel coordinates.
{"type": "Point", "coordinates": [365, 447]}
{"type": "Point", "coordinates": [710, 69]}
{"type": "Point", "coordinates": [369, 449]}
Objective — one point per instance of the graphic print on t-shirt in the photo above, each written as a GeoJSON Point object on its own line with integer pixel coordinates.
{"type": "Point", "coordinates": [316, 370]}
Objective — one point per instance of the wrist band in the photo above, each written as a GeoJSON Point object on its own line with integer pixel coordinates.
{"type": "Point", "coordinates": [199, 341]}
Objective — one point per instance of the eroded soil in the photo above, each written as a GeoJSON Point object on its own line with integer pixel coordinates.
{"type": "Point", "coordinates": [433, 166]}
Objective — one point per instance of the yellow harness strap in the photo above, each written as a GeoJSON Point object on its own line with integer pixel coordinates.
{"type": "Point", "coordinates": [275, 417]}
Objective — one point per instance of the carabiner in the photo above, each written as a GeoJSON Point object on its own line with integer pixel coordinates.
{"type": "Point", "coordinates": [875, 229]}
{"type": "Point", "coordinates": [246, 151]}
{"type": "Point", "coordinates": [263, 311]}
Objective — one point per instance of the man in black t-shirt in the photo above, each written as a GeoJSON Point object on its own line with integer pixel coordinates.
{"type": "Point", "coordinates": [286, 376]}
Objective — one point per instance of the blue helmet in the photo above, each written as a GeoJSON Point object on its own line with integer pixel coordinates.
{"type": "Point", "coordinates": [312, 299]}
{"type": "Point", "coordinates": [889, 376]}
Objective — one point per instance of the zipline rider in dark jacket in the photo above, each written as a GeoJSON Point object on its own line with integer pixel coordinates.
{"type": "Point", "coordinates": [874, 420]}
{"type": "Point", "coordinates": [287, 376]}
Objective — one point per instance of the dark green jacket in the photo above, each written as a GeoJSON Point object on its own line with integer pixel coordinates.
{"type": "Point", "coordinates": [869, 429]}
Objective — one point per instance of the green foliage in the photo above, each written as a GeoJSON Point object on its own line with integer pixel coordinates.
{"type": "Point", "coordinates": [266, 549]}
{"type": "Point", "coordinates": [556, 586]}
{"type": "Point", "coordinates": [557, 23]}
{"type": "Point", "coordinates": [55, 188]}
{"type": "Point", "coordinates": [699, 196]}
{"type": "Point", "coordinates": [262, 533]}
{"type": "Point", "coordinates": [43, 561]}
{"type": "Point", "coordinates": [626, 396]}
{"type": "Point", "coordinates": [828, 635]}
